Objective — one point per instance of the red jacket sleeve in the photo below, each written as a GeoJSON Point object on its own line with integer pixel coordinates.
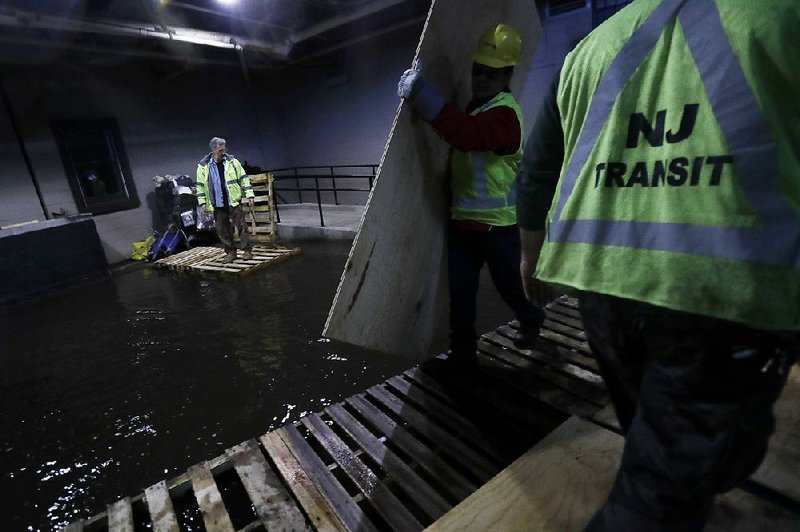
{"type": "Point", "coordinates": [496, 129]}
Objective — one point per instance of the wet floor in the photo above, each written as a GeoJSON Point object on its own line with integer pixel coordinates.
{"type": "Point", "coordinates": [118, 383]}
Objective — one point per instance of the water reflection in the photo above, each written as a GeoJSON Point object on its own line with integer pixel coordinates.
{"type": "Point", "coordinates": [112, 386]}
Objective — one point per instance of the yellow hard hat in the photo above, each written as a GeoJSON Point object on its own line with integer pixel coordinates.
{"type": "Point", "coordinates": [499, 47]}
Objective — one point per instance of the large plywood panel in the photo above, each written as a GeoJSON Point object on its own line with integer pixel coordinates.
{"type": "Point", "coordinates": [391, 292]}
{"type": "Point", "coordinates": [780, 470]}
{"type": "Point", "coordinates": [561, 482]}
{"type": "Point", "coordinates": [557, 485]}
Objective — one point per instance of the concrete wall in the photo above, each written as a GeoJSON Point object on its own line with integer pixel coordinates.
{"type": "Point", "coordinates": [20, 201]}
{"type": "Point", "coordinates": [342, 113]}
{"type": "Point", "coordinates": [165, 127]}
{"type": "Point", "coordinates": [559, 36]}
{"type": "Point", "coordinates": [27, 262]}
{"type": "Point", "coordinates": [339, 113]}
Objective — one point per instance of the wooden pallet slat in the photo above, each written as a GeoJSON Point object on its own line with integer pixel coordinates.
{"type": "Point", "coordinates": [453, 481]}
{"type": "Point", "coordinates": [338, 499]}
{"type": "Point", "coordinates": [320, 513]}
{"type": "Point", "coordinates": [568, 330]}
{"type": "Point", "coordinates": [385, 502]}
{"type": "Point", "coordinates": [120, 516]}
{"type": "Point", "coordinates": [273, 505]}
{"type": "Point", "coordinates": [497, 450]}
{"type": "Point", "coordinates": [469, 458]}
{"type": "Point", "coordinates": [428, 499]}
{"type": "Point", "coordinates": [215, 515]}
{"type": "Point", "coordinates": [75, 526]}
{"type": "Point", "coordinates": [568, 320]}
{"type": "Point", "coordinates": [522, 411]}
{"type": "Point", "coordinates": [561, 373]}
{"type": "Point", "coordinates": [545, 352]}
{"type": "Point", "coordinates": [560, 306]}
{"type": "Point", "coordinates": [543, 383]}
{"type": "Point", "coordinates": [506, 426]}
{"type": "Point", "coordinates": [263, 211]}
{"type": "Point", "coordinates": [162, 513]}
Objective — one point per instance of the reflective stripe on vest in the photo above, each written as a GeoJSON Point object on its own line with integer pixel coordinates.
{"type": "Point", "coordinates": [482, 200]}
{"type": "Point", "coordinates": [746, 134]}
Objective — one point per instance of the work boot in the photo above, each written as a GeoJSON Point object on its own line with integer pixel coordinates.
{"type": "Point", "coordinates": [229, 257]}
{"type": "Point", "coordinates": [247, 255]}
{"type": "Point", "coordinates": [526, 335]}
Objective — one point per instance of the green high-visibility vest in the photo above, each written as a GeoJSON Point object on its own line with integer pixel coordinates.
{"type": "Point", "coordinates": [235, 179]}
{"type": "Point", "coordinates": [482, 183]}
{"type": "Point", "coordinates": [681, 180]}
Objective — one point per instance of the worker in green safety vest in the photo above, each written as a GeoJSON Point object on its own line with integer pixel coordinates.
{"type": "Point", "coordinates": [221, 186]}
{"type": "Point", "coordinates": [487, 146]}
{"type": "Point", "coordinates": [660, 184]}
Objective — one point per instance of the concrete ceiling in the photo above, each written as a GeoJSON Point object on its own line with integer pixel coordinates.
{"type": "Point", "coordinates": [247, 34]}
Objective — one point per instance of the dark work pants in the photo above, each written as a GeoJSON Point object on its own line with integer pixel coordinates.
{"type": "Point", "coordinates": [228, 219]}
{"type": "Point", "coordinates": [694, 397]}
{"type": "Point", "coordinates": [466, 253]}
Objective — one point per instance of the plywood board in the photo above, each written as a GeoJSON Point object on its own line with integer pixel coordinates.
{"type": "Point", "coordinates": [780, 470]}
{"type": "Point", "coordinates": [390, 295]}
{"type": "Point", "coordinates": [557, 485]}
{"type": "Point", "coordinates": [564, 479]}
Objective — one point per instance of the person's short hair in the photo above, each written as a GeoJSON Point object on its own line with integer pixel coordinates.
{"type": "Point", "coordinates": [214, 143]}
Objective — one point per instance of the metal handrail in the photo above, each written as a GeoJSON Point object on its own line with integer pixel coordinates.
{"type": "Point", "coordinates": [295, 173]}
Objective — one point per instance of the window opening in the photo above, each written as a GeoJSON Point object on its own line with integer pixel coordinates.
{"type": "Point", "coordinates": [96, 165]}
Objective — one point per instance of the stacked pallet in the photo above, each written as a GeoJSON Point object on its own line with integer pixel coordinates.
{"type": "Point", "coordinates": [264, 210]}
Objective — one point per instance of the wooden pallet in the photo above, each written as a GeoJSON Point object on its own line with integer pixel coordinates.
{"type": "Point", "coordinates": [418, 447]}
{"type": "Point", "coordinates": [264, 209]}
{"type": "Point", "coordinates": [209, 259]}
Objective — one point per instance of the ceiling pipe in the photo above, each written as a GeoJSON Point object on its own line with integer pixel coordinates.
{"type": "Point", "coordinates": [341, 20]}
{"type": "Point", "coordinates": [189, 7]}
{"type": "Point", "coordinates": [28, 20]}
{"type": "Point", "coordinates": [191, 60]}
{"type": "Point", "coordinates": [364, 37]}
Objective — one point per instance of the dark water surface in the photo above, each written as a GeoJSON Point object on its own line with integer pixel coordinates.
{"type": "Point", "coordinates": [113, 385]}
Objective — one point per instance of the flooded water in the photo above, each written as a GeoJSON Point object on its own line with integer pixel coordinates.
{"type": "Point", "coordinates": [113, 385]}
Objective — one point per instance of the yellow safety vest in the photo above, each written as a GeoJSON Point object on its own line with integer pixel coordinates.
{"type": "Point", "coordinates": [235, 180]}
{"type": "Point", "coordinates": [681, 180]}
{"type": "Point", "coordinates": [482, 183]}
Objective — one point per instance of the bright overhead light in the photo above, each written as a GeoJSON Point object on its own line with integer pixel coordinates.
{"type": "Point", "coordinates": [227, 2]}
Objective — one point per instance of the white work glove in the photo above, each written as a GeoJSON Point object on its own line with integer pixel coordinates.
{"type": "Point", "coordinates": [423, 96]}
{"type": "Point", "coordinates": [405, 88]}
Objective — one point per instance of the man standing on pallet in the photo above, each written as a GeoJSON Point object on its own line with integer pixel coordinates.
{"type": "Point", "coordinates": [220, 183]}
{"type": "Point", "coordinates": [487, 142]}
{"type": "Point", "coordinates": [676, 220]}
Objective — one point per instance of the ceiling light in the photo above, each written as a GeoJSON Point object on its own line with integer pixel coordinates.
{"type": "Point", "coordinates": [227, 2]}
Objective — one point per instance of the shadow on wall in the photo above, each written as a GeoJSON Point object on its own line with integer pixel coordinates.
{"type": "Point", "coordinates": [152, 205]}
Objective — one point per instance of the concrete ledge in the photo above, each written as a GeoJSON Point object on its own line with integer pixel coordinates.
{"type": "Point", "coordinates": [38, 257]}
{"type": "Point", "coordinates": [38, 226]}
{"type": "Point", "coordinates": [300, 221]}
{"type": "Point", "coordinates": [299, 232]}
